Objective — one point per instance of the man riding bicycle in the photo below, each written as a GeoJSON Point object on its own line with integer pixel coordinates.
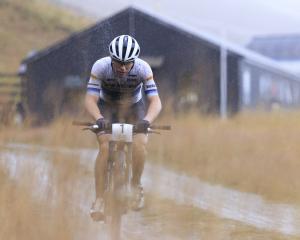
{"type": "Point", "coordinates": [114, 94]}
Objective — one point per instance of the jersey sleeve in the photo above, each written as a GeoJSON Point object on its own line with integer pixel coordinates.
{"type": "Point", "coordinates": [94, 83]}
{"type": "Point", "coordinates": [150, 88]}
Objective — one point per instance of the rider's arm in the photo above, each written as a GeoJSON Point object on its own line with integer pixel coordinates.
{"type": "Point", "coordinates": [154, 108]}
{"type": "Point", "coordinates": [93, 92]}
{"type": "Point", "coordinates": [151, 92]}
{"type": "Point", "coordinates": [91, 106]}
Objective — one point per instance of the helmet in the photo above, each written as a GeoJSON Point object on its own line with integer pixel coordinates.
{"type": "Point", "coordinates": [124, 48]}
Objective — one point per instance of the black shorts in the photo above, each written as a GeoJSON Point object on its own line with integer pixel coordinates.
{"type": "Point", "coordinates": [117, 113]}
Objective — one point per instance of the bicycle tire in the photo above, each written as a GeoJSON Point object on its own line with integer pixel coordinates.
{"type": "Point", "coordinates": [116, 202]}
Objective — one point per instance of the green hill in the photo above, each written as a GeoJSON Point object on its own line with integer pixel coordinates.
{"type": "Point", "coordinates": [32, 25]}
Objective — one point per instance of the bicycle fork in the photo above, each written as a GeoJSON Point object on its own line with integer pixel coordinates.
{"type": "Point", "coordinates": [119, 174]}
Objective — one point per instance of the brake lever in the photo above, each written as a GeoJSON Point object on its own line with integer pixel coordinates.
{"type": "Point", "coordinates": [92, 128]}
{"type": "Point", "coordinates": [155, 132]}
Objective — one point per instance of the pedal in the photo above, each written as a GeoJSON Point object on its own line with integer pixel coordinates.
{"type": "Point", "coordinates": [97, 216]}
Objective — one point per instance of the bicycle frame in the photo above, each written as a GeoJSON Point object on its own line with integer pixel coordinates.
{"type": "Point", "coordinates": [119, 171]}
{"type": "Point", "coordinates": [118, 177]}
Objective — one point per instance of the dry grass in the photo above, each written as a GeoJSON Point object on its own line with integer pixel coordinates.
{"type": "Point", "coordinates": [187, 222]}
{"type": "Point", "coordinates": [23, 217]}
{"type": "Point", "coordinates": [59, 133]}
{"type": "Point", "coordinates": [32, 25]}
{"type": "Point", "coordinates": [31, 212]}
{"type": "Point", "coordinates": [252, 152]}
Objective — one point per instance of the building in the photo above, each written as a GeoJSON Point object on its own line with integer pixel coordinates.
{"type": "Point", "coordinates": [192, 68]}
{"type": "Point", "coordinates": [285, 49]}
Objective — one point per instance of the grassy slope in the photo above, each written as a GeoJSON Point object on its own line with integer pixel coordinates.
{"type": "Point", "coordinates": [32, 24]}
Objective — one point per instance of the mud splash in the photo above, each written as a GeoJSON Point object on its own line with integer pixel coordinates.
{"type": "Point", "coordinates": [226, 203]}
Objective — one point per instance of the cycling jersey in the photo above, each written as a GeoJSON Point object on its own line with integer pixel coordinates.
{"type": "Point", "coordinates": [121, 90]}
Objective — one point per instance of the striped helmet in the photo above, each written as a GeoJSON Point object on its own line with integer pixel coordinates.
{"type": "Point", "coordinates": [124, 48]}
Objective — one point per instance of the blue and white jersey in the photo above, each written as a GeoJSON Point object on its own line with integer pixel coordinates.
{"type": "Point", "coordinates": [121, 90]}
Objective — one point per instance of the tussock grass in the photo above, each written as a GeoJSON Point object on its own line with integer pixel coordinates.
{"type": "Point", "coordinates": [31, 209]}
{"type": "Point", "coordinates": [253, 152]}
{"type": "Point", "coordinates": [187, 222]}
{"type": "Point", "coordinates": [27, 218]}
{"type": "Point", "coordinates": [59, 133]}
{"type": "Point", "coordinates": [32, 25]}
{"type": "Point", "coordinates": [22, 217]}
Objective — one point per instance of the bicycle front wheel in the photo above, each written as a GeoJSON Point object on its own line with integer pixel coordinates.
{"type": "Point", "coordinates": [117, 201]}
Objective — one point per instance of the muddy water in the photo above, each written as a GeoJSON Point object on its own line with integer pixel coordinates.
{"type": "Point", "coordinates": [178, 208]}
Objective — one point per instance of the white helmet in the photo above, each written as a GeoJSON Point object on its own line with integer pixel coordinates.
{"type": "Point", "coordinates": [124, 48]}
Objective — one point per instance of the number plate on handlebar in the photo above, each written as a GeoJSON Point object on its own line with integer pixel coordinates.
{"type": "Point", "coordinates": [122, 132]}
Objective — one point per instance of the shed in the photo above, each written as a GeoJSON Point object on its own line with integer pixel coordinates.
{"type": "Point", "coordinates": [191, 67]}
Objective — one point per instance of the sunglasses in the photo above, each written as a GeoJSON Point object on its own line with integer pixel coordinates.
{"type": "Point", "coordinates": [122, 63]}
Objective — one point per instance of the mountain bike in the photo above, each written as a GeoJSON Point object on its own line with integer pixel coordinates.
{"type": "Point", "coordinates": [118, 193]}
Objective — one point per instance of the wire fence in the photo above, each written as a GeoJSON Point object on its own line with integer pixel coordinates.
{"type": "Point", "coordinates": [10, 96]}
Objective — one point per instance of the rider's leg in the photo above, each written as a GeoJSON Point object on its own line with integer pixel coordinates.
{"type": "Point", "coordinates": [138, 161]}
{"type": "Point", "coordinates": [100, 167]}
{"type": "Point", "coordinates": [101, 163]}
{"type": "Point", "coordinates": [139, 153]}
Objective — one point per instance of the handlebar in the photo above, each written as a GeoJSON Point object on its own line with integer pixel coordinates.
{"type": "Point", "coordinates": [95, 127]}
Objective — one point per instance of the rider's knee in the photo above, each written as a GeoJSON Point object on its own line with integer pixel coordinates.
{"type": "Point", "coordinates": [139, 144]}
{"type": "Point", "coordinates": [103, 143]}
{"type": "Point", "coordinates": [140, 139]}
{"type": "Point", "coordinates": [104, 148]}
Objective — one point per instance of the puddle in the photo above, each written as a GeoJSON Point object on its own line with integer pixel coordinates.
{"type": "Point", "coordinates": [249, 209]}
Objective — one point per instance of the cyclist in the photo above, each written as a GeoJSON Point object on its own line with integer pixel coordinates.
{"type": "Point", "coordinates": [114, 94]}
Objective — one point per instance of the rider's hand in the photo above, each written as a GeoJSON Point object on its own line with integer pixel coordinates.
{"type": "Point", "coordinates": [142, 126]}
{"type": "Point", "coordinates": [102, 123]}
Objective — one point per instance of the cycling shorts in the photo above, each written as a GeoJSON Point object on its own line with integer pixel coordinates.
{"type": "Point", "coordinates": [117, 113]}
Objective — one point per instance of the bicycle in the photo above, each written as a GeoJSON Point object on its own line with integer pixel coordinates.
{"type": "Point", "coordinates": [118, 189]}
